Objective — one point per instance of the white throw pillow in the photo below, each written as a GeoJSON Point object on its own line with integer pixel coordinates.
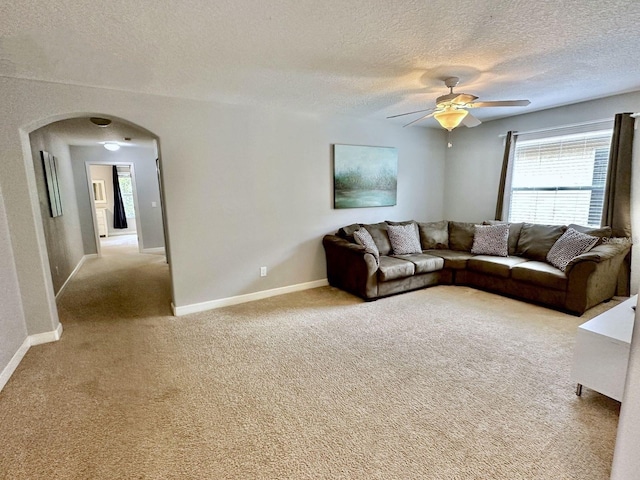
{"type": "Point", "coordinates": [364, 238]}
{"type": "Point", "coordinates": [491, 240]}
{"type": "Point", "coordinates": [571, 244]}
{"type": "Point", "coordinates": [404, 239]}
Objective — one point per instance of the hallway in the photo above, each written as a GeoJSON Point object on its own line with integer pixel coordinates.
{"type": "Point", "coordinates": [123, 283]}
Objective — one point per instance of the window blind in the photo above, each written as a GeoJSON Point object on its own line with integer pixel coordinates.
{"type": "Point", "coordinates": [559, 179]}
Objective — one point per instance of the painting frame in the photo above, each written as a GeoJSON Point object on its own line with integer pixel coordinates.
{"type": "Point", "coordinates": [364, 176]}
{"type": "Point", "coordinates": [50, 166]}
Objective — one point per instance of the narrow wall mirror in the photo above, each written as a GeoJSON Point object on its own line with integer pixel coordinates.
{"type": "Point", "coordinates": [99, 192]}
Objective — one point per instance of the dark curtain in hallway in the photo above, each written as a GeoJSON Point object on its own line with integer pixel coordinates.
{"type": "Point", "coordinates": [119, 216]}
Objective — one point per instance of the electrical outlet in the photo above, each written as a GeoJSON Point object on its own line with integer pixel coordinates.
{"type": "Point", "coordinates": [263, 271]}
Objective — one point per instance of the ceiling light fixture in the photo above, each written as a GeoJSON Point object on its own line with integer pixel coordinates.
{"type": "Point", "coordinates": [112, 146]}
{"type": "Point", "coordinates": [450, 117]}
{"type": "Point", "coordinates": [100, 122]}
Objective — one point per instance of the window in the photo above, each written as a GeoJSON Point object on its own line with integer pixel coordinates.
{"type": "Point", "coordinates": [559, 179]}
{"type": "Point", "coordinates": [126, 190]}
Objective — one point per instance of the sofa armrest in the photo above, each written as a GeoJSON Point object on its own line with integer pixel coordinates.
{"type": "Point", "coordinates": [600, 253]}
{"type": "Point", "coordinates": [593, 276]}
{"type": "Point", "coordinates": [350, 268]}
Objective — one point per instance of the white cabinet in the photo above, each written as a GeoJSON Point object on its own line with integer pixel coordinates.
{"type": "Point", "coordinates": [101, 219]}
{"type": "Point", "coordinates": [601, 354]}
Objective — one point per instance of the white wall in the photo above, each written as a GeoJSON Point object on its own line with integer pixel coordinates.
{"type": "Point", "coordinates": [244, 187]}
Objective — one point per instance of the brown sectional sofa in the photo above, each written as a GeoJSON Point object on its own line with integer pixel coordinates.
{"type": "Point", "coordinates": [446, 258]}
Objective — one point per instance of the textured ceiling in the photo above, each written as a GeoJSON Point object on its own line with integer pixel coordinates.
{"type": "Point", "coordinates": [353, 57]}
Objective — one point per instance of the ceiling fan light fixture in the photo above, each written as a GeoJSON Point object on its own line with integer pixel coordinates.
{"type": "Point", "coordinates": [450, 117]}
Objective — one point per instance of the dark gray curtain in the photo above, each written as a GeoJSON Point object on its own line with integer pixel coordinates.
{"type": "Point", "coordinates": [508, 149]}
{"type": "Point", "coordinates": [119, 215]}
{"type": "Point", "coordinates": [616, 211]}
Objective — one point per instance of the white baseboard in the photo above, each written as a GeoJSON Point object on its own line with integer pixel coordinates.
{"type": "Point", "coordinates": [250, 297]}
{"type": "Point", "coordinates": [6, 373]}
{"type": "Point", "coordinates": [154, 250]}
{"type": "Point", "coordinates": [37, 339]}
{"type": "Point", "coordinates": [75, 270]}
{"type": "Point", "coordinates": [46, 337]}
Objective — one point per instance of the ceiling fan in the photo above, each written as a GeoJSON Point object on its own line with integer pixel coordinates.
{"type": "Point", "coordinates": [450, 109]}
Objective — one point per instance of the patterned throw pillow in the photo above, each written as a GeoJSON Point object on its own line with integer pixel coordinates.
{"type": "Point", "coordinates": [404, 239]}
{"type": "Point", "coordinates": [491, 240]}
{"type": "Point", "coordinates": [364, 238]}
{"type": "Point", "coordinates": [571, 244]}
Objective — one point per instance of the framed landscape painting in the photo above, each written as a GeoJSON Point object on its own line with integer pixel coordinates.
{"type": "Point", "coordinates": [364, 176]}
{"type": "Point", "coordinates": [50, 166]}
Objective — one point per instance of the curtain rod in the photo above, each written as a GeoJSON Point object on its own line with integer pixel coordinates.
{"type": "Point", "coordinates": [560, 127]}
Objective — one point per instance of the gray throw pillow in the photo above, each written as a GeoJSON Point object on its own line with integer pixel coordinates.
{"type": "Point", "coordinates": [404, 239]}
{"type": "Point", "coordinates": [491, 240]}
{"type": "Point", "coordinates": [571, 244]}
{"type": "Point", "coordinates": [363, 237]}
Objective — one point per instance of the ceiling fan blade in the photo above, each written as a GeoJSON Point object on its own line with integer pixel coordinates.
{"type": "Point", "coordinates": [411, 113]}
{"type": "Point", "coordinates": [464, 98]}
{"type": "Point", "coordinates": [470, 121]}
{"type": "Point", "coordinates": [500, 103]}
{"type": "Point", "coordinates": [421, 118]}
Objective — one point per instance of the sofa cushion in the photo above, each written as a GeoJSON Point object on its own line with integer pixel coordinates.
{"type": "Point", "coordinates": [379, 234]}
{"type": "Point", "coordinates": [405, 222]}
{"type": "Point", "coordinates": [363, 237]}
{"type": "Point", "coordinates": [347, 231]}
{"type": "Point", "coordinates": [434, 234]}
{"type": "Point", "coordinates": [491, 240]}
{"type": "Point", "coordinates": [461, 236]}
{"type": "Point", "coordinates": [423, 263]}
{"type": "Point", "coordinates": [404, 239]}
{"type": "Point", "coordinates": [491, 265]}
{"type": "Point", "coordinates": [514, 233]}
{"type": "Point", "coordinates": [536, 240]}
{"type": "Point", "coordinates": [391, 268]}
{"type": "Point", "coordinates": [541, 274]}
{"type": "Point", "coordinates": [571, 244]}
{"type": "Point", "coordinates": [452, 258]}
{"type": "Point", "coordinates": [600, 232]}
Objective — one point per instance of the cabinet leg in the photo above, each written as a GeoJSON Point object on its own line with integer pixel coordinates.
{"type": "Point", "coordinates": [579, 389]}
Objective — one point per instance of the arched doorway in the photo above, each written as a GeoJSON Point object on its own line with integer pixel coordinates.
{"type": "Point", "coordinates": [62, 243]}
